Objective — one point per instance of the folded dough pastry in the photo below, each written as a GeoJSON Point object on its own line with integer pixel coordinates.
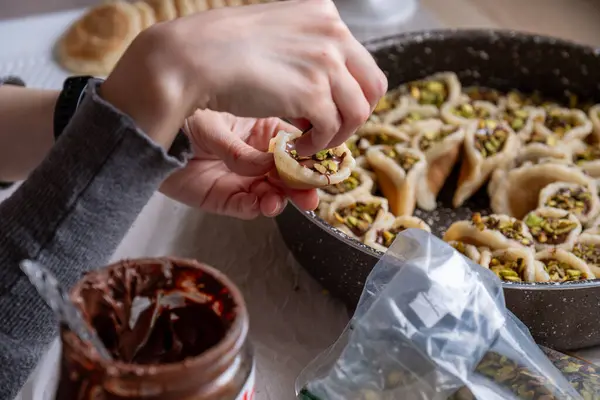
{"type": "Point", "coordinates": [464, 111]}
{"type": "Point", "coordinates": [435, 90]}
{"type": "Point", "coordinates": [388, 103]}
{"type": "Point", "coordinates": [553, 227]}
{"type": "Point", "coordinates": [358, 182]}
{"type": "Point", "coordinates": [372, 134]}
{"type": "Point", "coordinates": [147, 15]}
{"type": "Point", "coordinates": [95, 42]}
{"type": "Point", "coordinates": [384, 232]}
{"type": "Point", "coordinates": [516, 265]}
{"type": "Point", "coordinates": [441, 145]}
{"type": "Point", "coordinates": [488, 146]}
{"type": "Point", "coordinates": [398, 171]}
{"type": "Point", "coordinates": [404, 118]}
{"type": "Point", "coordinates": [482, 93]}
{"type": "Point", "coordinates": [565, 124]}
{"type": "Point", "coordinates": [327, 167]}
{"type": "Point", "coordinates": [479, 255]}
{"type": "Point", "coordinates": [579, 199]}
{"type": "Point", "coordinates": [587, 157]}
{"type": "Point", "coordinates": [493, 231]}
{"type": "Point", "coordinates": [563, 266]}
{"type": "Point", "coordinates": [356, 215]}
{"type": "Point", "coordinates": [587, 248]}
{"type": "Point", "coordinates": [518, 192]}
{"type": "Point", "coordinates": [594, 116]}
{"type": "Point", "coordinates": [517, 99]}
{"type": "Point", "coordinates": [522, 119]}
{"type": "Point", "coordinates": [165, 10]}
{"type": "Point", "coordinates": [363, 163]}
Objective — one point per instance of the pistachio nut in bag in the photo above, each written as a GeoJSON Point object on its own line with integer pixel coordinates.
{"type": "Point", "coordinates": [432, 325]}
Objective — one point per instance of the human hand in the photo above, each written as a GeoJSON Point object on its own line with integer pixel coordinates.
{"type": "Point", "coordinates": [231, 172]}
{"type": "Point", "coordinates": [294, 59]}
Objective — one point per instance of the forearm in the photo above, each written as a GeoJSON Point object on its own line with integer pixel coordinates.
{"type": "Point", "coordinates": [26, 130]}
{"type": "Point", "coordinates": [70, 215]}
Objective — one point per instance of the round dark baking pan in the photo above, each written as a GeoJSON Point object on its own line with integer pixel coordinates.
{"type": "Point", "coordinates": [564, 317]}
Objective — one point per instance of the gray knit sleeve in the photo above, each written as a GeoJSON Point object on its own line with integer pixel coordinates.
{"type": "Point", "coordinates": [70, 215]}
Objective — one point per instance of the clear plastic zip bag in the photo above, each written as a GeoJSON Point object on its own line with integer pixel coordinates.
{"type": "Point", "coordinates": [432, 325]}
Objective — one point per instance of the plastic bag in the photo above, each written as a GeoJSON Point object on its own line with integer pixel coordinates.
{"type": "Point", "coordinates": [431, 324]}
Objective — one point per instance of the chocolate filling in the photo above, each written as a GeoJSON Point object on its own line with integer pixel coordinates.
{"type": "Point", "coordinates": [509, 229]}
{"type": "Point", "coordinates": [358, 217]}
{"type": "Point", "coordinates": [578, 201]}
{"type": "Point", "coordinates": [490, 138]}
{"type": "Point", "coordinates": [562, 272]}
{"type": "Point", "coordinates": [325, 162]}
{"type": "Point", "coordinates": [508, 270]}
{"type": "Point", "coordinates": [547, 230]}
{"type": "Point", "coordinates": [589, 253]}
{"type": "Point", "coordinates": [385, 237]}
{"type": "Point", "coordinates": [350, 183]}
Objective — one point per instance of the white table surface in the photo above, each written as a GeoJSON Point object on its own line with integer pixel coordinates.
{"type": "Point", "coordinates": [292, 318]}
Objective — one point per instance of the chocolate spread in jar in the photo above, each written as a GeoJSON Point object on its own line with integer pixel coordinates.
{"type": "Point", "coordinates": [176, 329]}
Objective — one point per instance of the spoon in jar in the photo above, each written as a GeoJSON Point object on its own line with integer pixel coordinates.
{"type": "Point", "coordinates": [58, 300]}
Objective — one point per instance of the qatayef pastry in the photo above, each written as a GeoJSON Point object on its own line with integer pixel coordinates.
{"type": "Point", "coordinates": [587, 248]}
{"type": "Point", "coordinates": [495, 232]}
{"type": "Point", "coordinates": [363, 163]}
{"type": "Point", "coordinates": [553, 227]}
{"type": "Point", "coordinates": [516, 265]}
{"type": "Point", "coordinates": [441, 145]}
{"type": "Point", "coordinates": [565, 124]}
{"type": "Point", "coordinates": [359, 181]}
{"type": "Point", "coordinates": [581, 200]}
{"type": "Point", "coordinates": [356, 215]}
{"type": "Point", "coordinates": [384, 231]}
{"type": "Point", "coordinates": [519, 191]}
{"type": "Point", "coordinates": [461, 112]}
{"type": "Point", "coordinates": [482, 93]}
{"type": "Point", "coordinates": [378, 134]}
{"type": "Point", "coordinates": [435, 90]}
{"type": "Point", "coordinates": [398, 171]}
{"type": "Point", "coordinates": [404, 118]}
{"type": "Point", "coordinates": [391, 101]}
{"type": "Point", "coordinates": [539, 152]}
{"type": "Point", "coordinates": [492, 144]}
{"type": "Point", "coordinates": [562, 266]}
{"type": "Point", "coordinates": [516, 99]}
{"type": "Point", "coordinates": [325, 168]}
{"type": "Point", "coordinates": [594, 115]}
{"type": "Point", "coordinates": [479, 255]}
{"type": "Point", "coordinates": [522, 120]}
{"type": "Point", "coordinates": [322, 209]}
{"type": "Point", "coordinates": [587, 157]}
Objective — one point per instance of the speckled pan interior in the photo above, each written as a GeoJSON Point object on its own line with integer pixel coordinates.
{"type": "Point", "coordinates": [561, 316]}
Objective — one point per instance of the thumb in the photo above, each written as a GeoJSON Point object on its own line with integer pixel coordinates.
{"type": "Point", "coordinates": [239, 156]}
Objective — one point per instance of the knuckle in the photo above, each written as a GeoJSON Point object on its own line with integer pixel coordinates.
{"type": "Point", "coordinates": [335, 28]}
{"type": "Point", "coordinates": [358, 115]}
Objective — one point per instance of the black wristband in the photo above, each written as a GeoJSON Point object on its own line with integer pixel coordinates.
{"type": "Point", "coordinates": [69, 99]}
{"type": "Point", "coordinates": [14, 81]}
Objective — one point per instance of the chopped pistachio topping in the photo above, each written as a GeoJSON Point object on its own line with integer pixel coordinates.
{"type": "Point", "coordinates": [353, 147]}
{"type": "Point", "coordinates": [359, 216]}
{"type": "Point", "coordinates": [381, 138]}
{"type": "Point", "coordinates": [430, 138]}
{"type": "Point", "coordinates": [559, 123]}
{"type": "Point", "coordinates": [386, 237]}
{"type": "Point", "coordinates": [521, 99]}
{"type": "Point", "coordinates": [490, 138]}
{"type": "Point", "coordinates": [429, 92]}
{"type": "Point", "coordinates": [577, 200]}
{"type": "Point", "coordinates": [561, 272]}
{"type": "Point", "coordinates": [512, 229]}
{"type": "Point", "coordinates": [547, 230]}
{"type": "Point", "coordinates": [470, 111]}
{"type": "Point", "coordinates": [350, 183]}
{"type": "Point", "coordinates": [409, 118]}
{"type": "Point", "coordinates": [591, 153]}
{"type": "Point", "coordinates": [590, 253]}
{"type": "Point", "coordinates": [404, 159]}
{"type": "Point", "coordinates": [325, 162]}
{"type": "Point", "coordinates": [548, 140]}
{"type": "Point", "coordinates": [483, 93]}
{"type": "Point", "coordinates": [508, 270]}
{"type": "Point", "coordinates": [516, 118]}
{"type": "Point", "coordinates": [460, 247]}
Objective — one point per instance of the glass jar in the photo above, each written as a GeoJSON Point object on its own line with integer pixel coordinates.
{"type": "Point", "coordinates": [176, 329]}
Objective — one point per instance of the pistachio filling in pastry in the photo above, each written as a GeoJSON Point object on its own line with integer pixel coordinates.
{"type": "Point", "coordinates": [539, 137]}
{"type": "Point", "coordinates": [516, 118]}
{"type": "Point", "coordinates": [405, 160]}
{"type": "Point", "coordinates": [347, 185]}
{"type": "Point", "coordinates": [588, 252]}
{"type": "Point", "coordinates": [325, 162]}
{"type": "Point", "coordinates": [410, 117]}
{"type": "Point", "coordinates": [512, 229]}
{"type": "Point", "coordinates": [358, 217]}
{"type": "Point", "coordinates": [590, 153]}
{"type": "Point", "coordinates": [490, 138]}
{"type": "Point", "coordinates": [433, 92]}
{"type": "Point", "coordinates": [470, 111]}
{"type": "Point", "coordinates": [482, 93]}
{"type": "Point", "coordinates": [385, 237]}
{"type": "Point", "coordinates": [460, 247]}
{"type": "Point", "coordinates": [508, 270]}
{"type": "Point", "coordinates": [429, 138]}
{"type": "Point", "coordinates": [561, 271]}
{"type": "Point", "coordinates": [535, 99]}
{"type": "Point", "coordinates": [548, 230]}
{"type": "Point", "coordinates": [559, 123]}
{"type": "Point", "coordinates": [577, 200]}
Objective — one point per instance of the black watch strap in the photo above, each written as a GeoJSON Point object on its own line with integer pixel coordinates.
{"type": "Point", "coordinates": [14, 81]}
{"type": "Point", "coordinates": [69, 99]}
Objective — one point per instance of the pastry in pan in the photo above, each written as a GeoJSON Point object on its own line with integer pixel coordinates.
{"type": "Point", "coordinates": [164, 10]}
{"type": "Point", "coordinates": [482, 93]}
{"type": "Point", "coordinates": [405, 117]}
{"type": "Point", "coordinates": [399, 170]}
{"type": "Point", "coordinates": [587, 248]}
{"type": "Point", "coordinates": [95, 42]}
{"type": "Point", "coordinates": [565, 124]}
{"type": "Point", "coordinates": [359, 181]}
{"type": "Point", "coordinates": [435, 89]}
{"type": "Point", "coordinates": [327, 167]}
{"type": "Point", "coordinates": [388, 103]}
{"type": "Point", "coordinates": [464, 111]}
{"type": "Point", "coordinates": [495, 232]}
{"type": "Point", "coordinates": [522, 119]}
{"type": "Point", "coordinates": [479, 255]}
{"type": "Point", "coordinates": [579, 199]}
{"type": "Point", "coordinates": [594, 116]}
{"type": "Point", "coordinates": [441, 145]}
{"type": "Point", "coordinates": [518, 192]}
{"type": "Point", "coordinates": [562, 266]}
{"type": "Point", "coordinates": [363, 163]}
{"type": "Point", "coordinates": [147, 14]}
{"type": "Point", "coordinates": [491, 144]}
{"type": "Point", "coordinates": [356, 215]}
{"type": "Point", "coordinates": [517, 99]}
{"type": "Point", "coordinates": [537, 152]}
{"type": "Point", "coordinates": [553, 227]}
{"type": "Point", "coordinates": [384, 232]}
{"type": "Point", "coordinates": [516, 265]}
{"type": "Point", "coordinates": [587, 157]}
{"type": "Point", "coordinates": [372, 134]}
